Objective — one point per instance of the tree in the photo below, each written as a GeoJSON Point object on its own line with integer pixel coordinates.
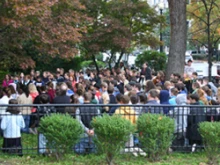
{"type": "Point", "coordinates": [118, 26]}
{"type": "Point", "coordinates": [205, 25]}
{"type": "Point", "coordinates": [176, 59]}
{"type": "Point", "coordinates": [54, 26]}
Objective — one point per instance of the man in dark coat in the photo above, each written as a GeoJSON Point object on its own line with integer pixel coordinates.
{"type": "Point", "coordinates": [145, 72]}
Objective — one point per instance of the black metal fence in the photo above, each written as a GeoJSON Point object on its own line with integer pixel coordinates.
{"type": "Point", "coordinates": [23, 138]}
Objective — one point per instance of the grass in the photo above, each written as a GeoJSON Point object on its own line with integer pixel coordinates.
{"type": "Point", "coordinates": [173, 159]}
{"type": "Point", "coordinates": [29, 141]}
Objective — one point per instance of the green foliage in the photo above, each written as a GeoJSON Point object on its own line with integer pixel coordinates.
{"type": "Point", "coordinates": [210, 133]}
{"type": "Point", "coordinates": [90, 63]}
{"type": "Point", "coordinates": [156, 60]}
{"type": "Point", "coordinates": [61, 131]}
{"type": "Point", "coordinates": [112, 133]}
{"type": "Point", "coordinates": [156, 134]}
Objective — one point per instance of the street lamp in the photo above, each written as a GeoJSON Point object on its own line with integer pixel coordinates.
{"type": "Point", "coordinates": [161, 7]}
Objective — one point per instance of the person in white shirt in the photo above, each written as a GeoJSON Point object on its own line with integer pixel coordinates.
{"type": "Point", "coordinates": [188, 70]}
{"type": "Point", "coordinates": [11, 124]}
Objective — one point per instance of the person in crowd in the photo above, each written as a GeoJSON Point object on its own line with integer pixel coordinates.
{"type": "Point", "coordinates": [25, 98]}
{"type": "Point", "coordinates": [174, 93]}
{"type": "Point", "coordinates": [59, 78]}
{"type": "Point", "coordinates": [202, 99]}
{"type": "Point", "coordinates": [208, 92]}
{"type": "Point", "coordinates": [11, 125]}
{"type": "Point", "coordinates": [146, 72]}
{"type": "Point", "coordinates": [196, 115]}
{"type": "Point", "coordinates": [119, 102]}
{"type": "Point", "coordinates": [112, 99]}
{"type": "Point", "coordinates": [164, 100]}
{"type": "Point", "coordinates": [128, 113]}
{"type": "Point", "coordinates": [4, 100]}
{"type": "Point", "coordinates": [195, 87]}
{"type": "Point", "coordinates": [7, 80]}
{"type": "Point", "coordinates": [152, 99]}
{"type": "Point", "coordinates": [105, 96]}
{"type": "Point", "coordinates": [43, 111]}
{"type": "Point", "coordinates": [39, 82]}
{"type": "Point", "coordinates": [50, 91]}
{"type": "Point", "coordinates": [149, 85]}
{"type": "Point", "coordinates": [135, 101]}
{"type": "Point", "coordinates": [80, 92]}
{"type": "Point", "coordinates": [85, 115]}
{"type": "Point", "coordinates": [70, 90]}
{"type": "Point", "coordinates": [14, 93]}
{"type": "Point", "coordinates": [61, 97]}
{"type": "Point", "coordinates": [180, 115]}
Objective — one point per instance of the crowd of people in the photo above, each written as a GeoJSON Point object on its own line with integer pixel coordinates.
{"type": "Point", "coordinates": [121, 87]}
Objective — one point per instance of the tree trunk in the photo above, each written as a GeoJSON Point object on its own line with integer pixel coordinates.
{"type": "Point", "coordinates": [176, 58]}
{"type": "Point", "coordinates": [119, 59]}
{"type": "Point", "coordinates": [96, 65]}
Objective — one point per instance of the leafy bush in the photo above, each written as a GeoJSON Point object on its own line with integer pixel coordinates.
{"type": "Point", "coordinates": [156, 60]}
{"type": "Point", "coordinates": [61, 131]}
{"type": "Point", "coordinates": [156, 134]}
{"type": "Point", "coordinates": [210, 133]}
{"type": "Point", "coordinates": [90, 63]}
{"type": "Point", "coordinates": [112, 132]}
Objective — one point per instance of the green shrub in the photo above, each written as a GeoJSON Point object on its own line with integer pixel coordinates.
{"type": "Point", "coordinates": [210, 133]}
{"type": "Point", "coordinates": [156, 60]}
{"type": "Point", "coordinates": [156, 134]}
{"type": "Point", "coordinates": [61, 131]}
{"type": "Point", "coordinates": [112, 132]}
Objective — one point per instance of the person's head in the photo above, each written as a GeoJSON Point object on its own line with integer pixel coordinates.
{"type": "Point", "coordinates": [80, 90]}
{"type": "Point", "coordinates": [74, 99]}
{"type": "Point", "coordinates": [177, 76]}
{"type": "Point", "coordinates": [44, 98]}
{"type": "Point", "coordinates": [207, 90]}
{"type": "Point", "coordinates": [134, 99]}
{"type": "Point", "coordinates": [127, 88]}
{"type": "Point", "coordinates": [66, 76]}
{"type": "Point", "coordinates": [61, 89]}
{"type": "Point", "coordinates": [110, 89]}
{"type": "Point", "coordinates": [8, 77]}
{"type": "Point", "coordinates": [189, 62]}
{"type": "Point", "coordinates": [150, 85]}
{"type": "Point", "coordinates": [142, 98]}
{"type": "Point", "coordinates": [27, 78]}
{"type": "Point", "coordinates": [37, 73]}
{"type": "Point", "coordinates": [32, 88]}
{"type": "Point", "coordinates": [194, 75]}
{"type": "Point", "coordinates": [144, 65]}
{"type": "Point", "coordinates": [87, 97]}
{"type": "Point", "coordinates": [13, 110]}
{"type": "Point", "coordinates": [12, 88]}
{"type": "Point", "coordinates": [104, 86]}
{"type": "Point", "coordinates": [125, 99]}
{"type": "Point", "coordinates": [153, 94]}
{"type": "Point", "coordinates": [7, 92]}
{"type": "Point", "coordinates": [167, 85]}
{"type": "Point", "coordinates": [118, 98]}
{"type": "Point", "coordinates": [193, 98]}
{"type": "Point", "coordinates": [50, 85]}
{"type": "Point", "coordinates": [180, 86]}
{"type": "Point", "coordinates": [174, 91]}
{"type": "Point", "coordinates": [137, 86]}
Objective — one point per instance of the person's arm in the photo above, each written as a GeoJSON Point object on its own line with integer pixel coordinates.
{"type": "Point", "coordinates": [78, 117]}
{"type": "Point", "coordinates": [4, 122]}
{"type": "Point", "coordinates": [21, 123]}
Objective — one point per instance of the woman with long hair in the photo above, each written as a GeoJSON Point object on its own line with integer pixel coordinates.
{"type": "Point", "coordinates": [7, 80]}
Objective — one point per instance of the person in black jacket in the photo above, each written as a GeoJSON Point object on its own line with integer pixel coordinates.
{"type": "Point", "coordinates": [85, 115]}
{"type": "Point", "coordinates": [61, 97]}
{"type": "Point", "coordinates": [146, 72]}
